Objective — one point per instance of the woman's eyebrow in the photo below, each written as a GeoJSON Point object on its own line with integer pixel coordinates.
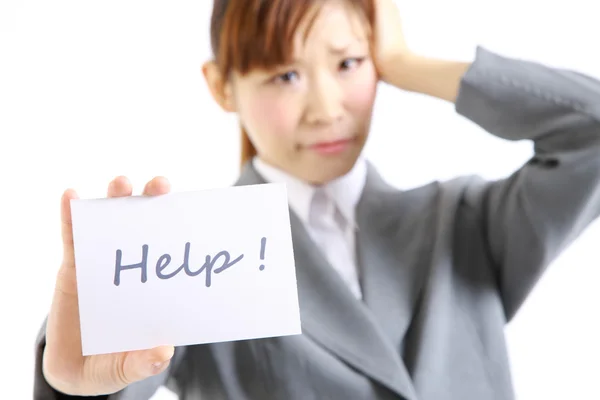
{"type": "Point", "coordinates": [341, 49]}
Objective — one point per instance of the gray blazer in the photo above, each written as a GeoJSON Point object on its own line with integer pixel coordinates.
{"type": "Point", "coordinates": [444, 267]}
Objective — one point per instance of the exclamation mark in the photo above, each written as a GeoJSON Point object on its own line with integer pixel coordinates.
{"type": "Point", "coordinates": [263, 245]}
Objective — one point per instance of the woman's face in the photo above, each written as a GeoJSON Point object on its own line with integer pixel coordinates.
{"type": "Point", "coordinates": [311, 118]}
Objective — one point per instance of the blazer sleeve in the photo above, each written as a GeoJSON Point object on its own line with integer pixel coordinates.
{"type": "Point", "coordinates": [532, 215]}
{"type": "Point", "coordinates": [138, 391]}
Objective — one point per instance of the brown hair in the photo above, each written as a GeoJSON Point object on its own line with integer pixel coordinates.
{"type": "Point", "coordinates": [248, 34]}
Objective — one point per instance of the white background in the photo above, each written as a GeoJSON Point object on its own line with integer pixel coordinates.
{"type": "Point", "coordinates": [90, 90]}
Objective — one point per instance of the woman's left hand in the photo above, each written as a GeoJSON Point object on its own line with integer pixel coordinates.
{"type": "Point", "coordinates": [398, 66]}
{"type": "Point", "coordinates": [390, 49]}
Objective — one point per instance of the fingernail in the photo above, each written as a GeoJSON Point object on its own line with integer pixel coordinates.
{"type": "Point", "coordinates": [157, 367]}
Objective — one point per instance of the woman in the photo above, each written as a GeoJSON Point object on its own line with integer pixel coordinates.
{"type": "Point", "coordinates": [403, 294]}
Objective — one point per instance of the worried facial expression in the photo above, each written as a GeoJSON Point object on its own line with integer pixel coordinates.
{"type": "Point", "coordinates": [311, 118]}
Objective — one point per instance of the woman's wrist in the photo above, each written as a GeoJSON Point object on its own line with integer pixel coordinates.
{"type": "Point", "coordinates": [434, 77]}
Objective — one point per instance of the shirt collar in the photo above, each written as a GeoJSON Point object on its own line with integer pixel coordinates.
{"type": "Point", "coordinates": [345, 190]}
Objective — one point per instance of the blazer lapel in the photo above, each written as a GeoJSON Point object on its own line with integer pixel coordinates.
{"type": "Point", "coordinates": [392, 278]}
{"type": "Point", "coordinates": [388, 284]}
{"type": "Point", "coordinates": [334, 318]}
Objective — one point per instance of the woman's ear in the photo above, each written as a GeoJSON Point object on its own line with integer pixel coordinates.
{"type": "Point", "coordinates": [219, 87]}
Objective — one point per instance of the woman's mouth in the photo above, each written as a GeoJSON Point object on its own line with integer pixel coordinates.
{"type": "Point", "coordinates": [331, 147]}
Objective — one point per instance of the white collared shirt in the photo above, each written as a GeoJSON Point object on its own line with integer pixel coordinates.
{"type": "Point", "coordinates": [328, 214]}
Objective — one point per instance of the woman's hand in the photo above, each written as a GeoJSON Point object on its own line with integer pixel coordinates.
{"type": "Point", "coordinates": [406, 70]}
{"type": "Point", "coordinates": [64, 367]}
{"type": "Point", "coordinates": [391, 50]}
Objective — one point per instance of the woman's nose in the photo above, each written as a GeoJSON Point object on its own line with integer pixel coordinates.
{"type": "Point", "coordinates": [324, 102]}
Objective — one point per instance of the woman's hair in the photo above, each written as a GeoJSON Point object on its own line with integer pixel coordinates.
{"type": "Point", "coordinates": [248, 34]}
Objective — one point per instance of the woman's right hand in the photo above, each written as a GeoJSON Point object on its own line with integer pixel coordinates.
{"type": "Point", "coordinates": [64, 366]}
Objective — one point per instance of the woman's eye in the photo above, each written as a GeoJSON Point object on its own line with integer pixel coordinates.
{"type": "Point", "coordinates": [350, 63]}
{"type": "Point", "coordinates": [287, 77]}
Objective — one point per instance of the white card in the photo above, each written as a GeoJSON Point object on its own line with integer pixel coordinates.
{"type": "Point", "coordinates": [238, 280]}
